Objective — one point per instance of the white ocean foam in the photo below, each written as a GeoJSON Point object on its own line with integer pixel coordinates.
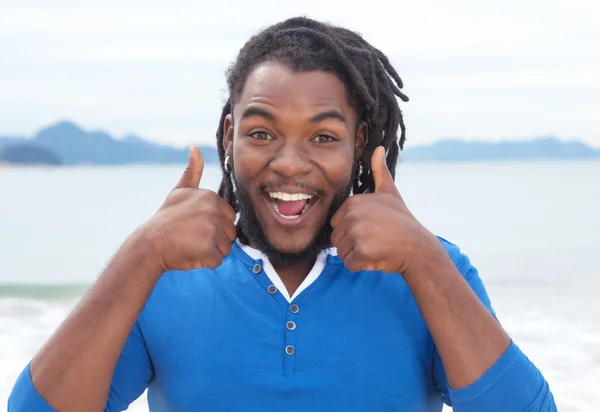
{"type": "Point", "coordinates": [25, 324]}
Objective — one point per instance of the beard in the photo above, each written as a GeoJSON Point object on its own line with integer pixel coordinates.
{"type": "Point", "coordinates": [250, 231]}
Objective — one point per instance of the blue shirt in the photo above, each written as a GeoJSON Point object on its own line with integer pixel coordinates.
{"type": "Point", "coordinates": [223, 340]}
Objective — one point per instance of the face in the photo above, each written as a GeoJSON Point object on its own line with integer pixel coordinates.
{"type": "Point", "coordinates": [295, 144]}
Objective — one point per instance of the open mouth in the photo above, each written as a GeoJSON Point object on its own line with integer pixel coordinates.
{"type": "Point", "coordinates": [291, 206]}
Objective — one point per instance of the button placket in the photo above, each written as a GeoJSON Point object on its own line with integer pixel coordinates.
{"type": "Point", "coordinates": [290, 339]}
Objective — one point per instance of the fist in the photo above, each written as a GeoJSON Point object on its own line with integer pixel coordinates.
{"type": "Point", "coordinates": [194, 228]}
{"type": "Point", "coordinates": [376, 231]}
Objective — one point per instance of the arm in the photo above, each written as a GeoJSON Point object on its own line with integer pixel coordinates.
{"type": "Point", "coordinates": [97, 360]}
{"type": "Point", "coordinates": [479, 367]}
{"type": "Point", "coordinates": [133, 373]}
{"type": "Point", "coordinates": [509, 381]}
{"type": "Point", "coordinates": [75, 368]}
{"type": "Point", "coordinates": [466, 335]}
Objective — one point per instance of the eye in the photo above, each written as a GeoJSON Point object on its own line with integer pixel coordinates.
{"type": "Point", "coordinates": [261, 136]}
{"type": "Point", "coordinates": [323, 138]}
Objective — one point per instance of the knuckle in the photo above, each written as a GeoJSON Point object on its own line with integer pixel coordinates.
{"type": "Point", "coordinates": [230, 232]}
{"type": "Point", "coordinates": [357, 250]}
{"type": "Point", "coordinates": [354, 236]}
{"type": "Point", "coordinates": [335, 238]}
{"type": "Point", "coordinates": [209, 232]}
{"type": "Point", "coordinates": [176, 196]}
{"type": "Point", "coordinates": [354, 201]}
{"type": "Point", "coordinates": [210, 196]}
{"type": "Point", "coordinates": [353, 215]}
{"type": "Point", "coordinates": [213, 212]}
{"type": "Point", "coordinates": [362, 230]}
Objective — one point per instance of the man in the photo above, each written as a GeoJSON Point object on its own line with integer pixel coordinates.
{"type": "Point", "coordinates": [306, 283]}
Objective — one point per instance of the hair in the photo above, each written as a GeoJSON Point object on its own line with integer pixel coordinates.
{"type": "Point", "coordinates": [372, 85]}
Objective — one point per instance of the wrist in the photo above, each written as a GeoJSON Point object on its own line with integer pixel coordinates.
{"type": "Point", "coordinates": [428, 258]}
{"type": "Point", "coordinates": [144, 247]}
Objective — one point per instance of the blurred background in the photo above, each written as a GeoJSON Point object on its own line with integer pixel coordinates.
{"type": "Point", "coordinates": [100, 100]}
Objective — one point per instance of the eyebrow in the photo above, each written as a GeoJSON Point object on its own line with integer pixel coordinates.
{"type": "Point", "coordinates": [331, 114]}
{"type": "Point", "coordinates": [255, 111]}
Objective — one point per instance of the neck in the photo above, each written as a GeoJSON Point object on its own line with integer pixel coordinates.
{"type": "Point", "coordinates": [293, 276]}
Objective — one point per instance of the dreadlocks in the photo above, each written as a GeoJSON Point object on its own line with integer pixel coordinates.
{"type": "Point", "coordinates": [372, 85]}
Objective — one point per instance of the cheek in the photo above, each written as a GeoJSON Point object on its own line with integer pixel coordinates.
{"type": "Point", "coordinates": [246, 165]}
{"type": "Point", "coordinates": [337, 170]}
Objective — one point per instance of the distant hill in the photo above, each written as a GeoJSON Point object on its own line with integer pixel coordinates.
{"type": "Point", "coordinates": [28, 154]}
{"type": "Point", "coordinates": [73, 145]}
{"type": "Point", "coordinates": [6, 140]}
{"type": "Point", "coordinates": [455, 150]}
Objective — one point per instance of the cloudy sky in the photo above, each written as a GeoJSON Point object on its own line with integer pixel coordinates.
{"type": "Point", "coordinates": [473, 69]}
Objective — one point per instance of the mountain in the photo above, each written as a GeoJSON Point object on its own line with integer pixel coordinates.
{"type": "Point", "coordinates": [6, 140]}
{"type": "Point", "coordinates": [455, 150]}
{"type": "Point", "coordinates": [27, 154]}
{"type": "Point", "coordinates": [73, 145]}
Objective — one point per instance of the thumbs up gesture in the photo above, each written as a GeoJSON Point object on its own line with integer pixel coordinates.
{"type": "Point", "coordinates": [376, 231]}
{"type": "Point", "coordinates": [194, 228]}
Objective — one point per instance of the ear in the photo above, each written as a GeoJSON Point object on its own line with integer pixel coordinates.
{"type": "Point", "coordinates": [360, 140]}
{"type": "Point", "coordinates": [228, 135]}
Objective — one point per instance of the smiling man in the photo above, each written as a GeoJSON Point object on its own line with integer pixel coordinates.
{"type": "Point", "coordinates": [305, 283]}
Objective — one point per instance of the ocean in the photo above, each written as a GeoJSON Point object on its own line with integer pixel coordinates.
{"type": "Point", "coordinates": [531, 228]}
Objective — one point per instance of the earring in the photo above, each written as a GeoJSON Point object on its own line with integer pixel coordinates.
{"type": "Point", "coordinates": [228, 168]}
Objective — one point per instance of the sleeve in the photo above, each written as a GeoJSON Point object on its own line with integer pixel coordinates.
{"type": "Point", "coordinates": [513, 383]}
{"type": "Point", "coordinates": [133, 373]}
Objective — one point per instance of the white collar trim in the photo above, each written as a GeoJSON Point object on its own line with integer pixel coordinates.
{"type": "Point", "coordinates": [314, 273]}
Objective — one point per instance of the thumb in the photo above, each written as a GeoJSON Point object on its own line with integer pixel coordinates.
{"type": "Point", "coordinates": [193, 172]}
{"type": "Point", "coordinates": [381, 174]}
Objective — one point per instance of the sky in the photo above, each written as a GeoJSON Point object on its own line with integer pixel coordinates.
{"type": "Point", "coordinates": [511, 69]}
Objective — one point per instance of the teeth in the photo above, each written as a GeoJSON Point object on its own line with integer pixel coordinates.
{"type": "Point", "coordinates": [289, 196]}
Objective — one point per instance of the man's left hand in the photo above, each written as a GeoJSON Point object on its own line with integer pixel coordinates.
{"type": "Point", "coordinates": [376, 231]}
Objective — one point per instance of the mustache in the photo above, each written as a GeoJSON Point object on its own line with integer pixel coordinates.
{"type": "Point", "coordinates": [273, 185]}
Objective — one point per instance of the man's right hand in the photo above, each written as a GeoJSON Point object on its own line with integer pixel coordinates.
{"type": "Point", "coordinates": [194, 228]}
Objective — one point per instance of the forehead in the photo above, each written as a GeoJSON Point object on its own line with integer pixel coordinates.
{"type": "Point", "coordinates": [281, 87]}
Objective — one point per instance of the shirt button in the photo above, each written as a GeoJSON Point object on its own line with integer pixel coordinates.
{"type": "Point", "coordinates": [291, 325]}
{"type": "Point", "coordinates": [294, 308]}
{"type": "Point", "coordinates": [256, 268]}
{"type": "Point", "coordinates": [290, 350]}
{"type": "Point", "coordinates": [272, 289]}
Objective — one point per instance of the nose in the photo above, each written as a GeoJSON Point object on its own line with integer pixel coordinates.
{"type": "Point", "coordinates": [291, 161]}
